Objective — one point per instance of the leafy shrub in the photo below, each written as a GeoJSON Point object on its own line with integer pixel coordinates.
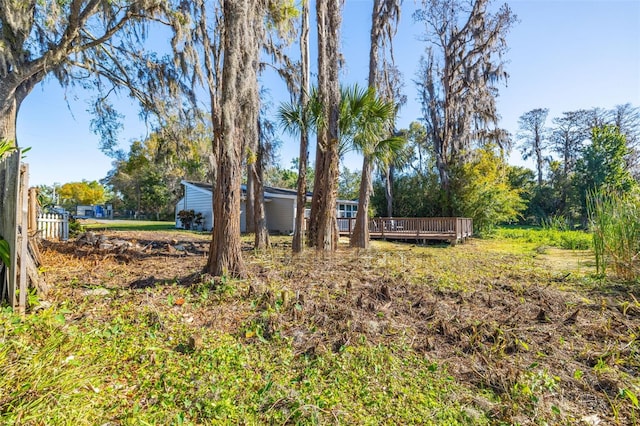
{"type": "Point", "coordinates": [75, 227]}
{"type": "Point", "coordinates": [483, 192]}
{"type": "Point", "coordinates": [186, 218]}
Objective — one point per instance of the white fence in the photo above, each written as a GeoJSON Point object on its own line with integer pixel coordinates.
{"type": "Point", "coordinates": [53, 226]}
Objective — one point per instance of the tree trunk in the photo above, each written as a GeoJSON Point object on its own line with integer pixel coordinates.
{"type": "Point", "coordinates": [360, 235]}
{"type": "Point", "coordinates": [250, 200]}
{"type": "Point", "coordinates": [8, 117]}
{"type": "Point", "coordinates": [261, 240]}
{"type": "Point", "coordinates": [303, 159]}
{"type": "Point", "coordinates": [11, 97]}
{"type": "Point", "coordinates": [388, 189]}
{"type": "Point", "coordinates": [539, 160]}
{"type": "Point", "coordinates": [225, 256]}
{"type": "Point", "coordinates": [373, 47]}
{"type": "Point", "coordinates": [327, 159]}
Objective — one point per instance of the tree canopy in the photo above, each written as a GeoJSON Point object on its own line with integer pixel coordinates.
{"type": "Point", "coordinates": [81, 193]}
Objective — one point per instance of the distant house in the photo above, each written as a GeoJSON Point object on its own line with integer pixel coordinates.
{"type": "Point", "coordinates": [94, 211]}
{"type": "Point", "coordinates": [280, 206]}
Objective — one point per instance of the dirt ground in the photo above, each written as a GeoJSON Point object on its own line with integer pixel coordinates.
{"type": "Point", "coordinates": [534, 330]}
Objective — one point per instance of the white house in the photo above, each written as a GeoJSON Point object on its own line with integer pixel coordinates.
{"type": "Point", "coordinates": [104, 211]}
{"type": "Point", "coordinates": [280, 206]}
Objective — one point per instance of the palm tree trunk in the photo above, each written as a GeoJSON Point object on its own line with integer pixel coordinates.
{"type": "Point", "coordinates": [388, 189]}
{"type": "Point", "coordinates": [360, 235]}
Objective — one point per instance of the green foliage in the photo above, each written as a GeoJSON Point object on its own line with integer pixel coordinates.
{"type": "Point", "coordinates": [280, 177]}
{"type": "Point", "coordinates": [75, 227]}
{"type": "Point", "coordinates": [414, 195]}
{"type": "Point", "coordinates": [6, 146]}
{"type": "Point", "coordinates": [348, 184]}
{"type": "Point", "coordinates": [147, 179]}
{"type": "Point", "coordinates": [186, 218]}
{"type": "Point", "coordinates": [81, 193]}
{"type": "Point", "coordinates": [570, 240]}
{"type": "Point", "coordinates": [603, 166]}
{"type": "Point", "coordinates": [46, 197]}
{"type": "Point", "coordinates": [482, 191]}
{"type": "Point", "coordinates": [5, 252]}
{"type": "Point", "coordinates": [138, 366]}
{"type": "Point", "coordinates": [615, 223]}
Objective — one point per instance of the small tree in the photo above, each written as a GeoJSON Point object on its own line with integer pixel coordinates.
{"type": "Point", "coordinates": [483, 191]}
{"type": "Point", "coordinates": [368, 119]}
{"type": "Point", "coordinates": [602, 166]}
{"type": "Point", "coordinates": [84, 193]}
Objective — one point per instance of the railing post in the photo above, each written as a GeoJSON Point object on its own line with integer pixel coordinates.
{"type": "Point", "coordinates": [457, 228]}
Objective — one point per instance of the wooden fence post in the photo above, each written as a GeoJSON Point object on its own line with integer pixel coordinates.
{"type": "Point", "coordinates": [9, 183]}
{"type": "Point", "coordinates": [23, 236]}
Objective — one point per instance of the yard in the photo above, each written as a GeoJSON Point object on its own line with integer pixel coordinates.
{"type": "Point", "coordinates": [498, 331]}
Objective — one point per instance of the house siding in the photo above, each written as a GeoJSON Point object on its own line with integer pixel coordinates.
{"type": "Point", "coordinates": [200, 202]}
{"type": "Point", "coordinates": [243, 217]}
{"type": "Point", "coordinates": [280, 215]}
{"type": "Point", "coordinates": [280, 207]}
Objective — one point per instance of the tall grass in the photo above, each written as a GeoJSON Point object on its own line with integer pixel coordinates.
{"type": "Point", "coordinates": [548, 236]}
{"type": "Point", "coordinates": [615, 223]}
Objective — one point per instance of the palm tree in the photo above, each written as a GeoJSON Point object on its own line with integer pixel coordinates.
{"type": "Point", "coordinates": [299, 120]}
{"type": "Point", "coordinates": [365, 119]}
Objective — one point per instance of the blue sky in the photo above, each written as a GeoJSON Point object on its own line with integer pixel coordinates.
{"type": "Point", "coordinates": [564, 55]}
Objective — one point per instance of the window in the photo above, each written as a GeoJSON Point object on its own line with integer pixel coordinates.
{"type": "Point", "coordinates": [347, 210]}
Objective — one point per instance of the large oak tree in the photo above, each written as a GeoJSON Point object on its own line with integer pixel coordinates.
{"type": "Point", "coordinates": [93, 42]}
{"type": "Point", "coordinates": [459, 77]}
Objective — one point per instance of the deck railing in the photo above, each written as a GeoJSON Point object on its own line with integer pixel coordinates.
{"type": "Point", "coordinates": [446, 228]}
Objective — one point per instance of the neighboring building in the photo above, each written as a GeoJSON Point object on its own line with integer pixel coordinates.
{"type": "Point", "coordinates": [103, 211]}
{"type": "Point", "coordinates": [280, 206]}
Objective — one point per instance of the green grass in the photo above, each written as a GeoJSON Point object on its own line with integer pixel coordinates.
{"type": "Point", "coordinates": [570, 240]}
{"type": "Point", "coordinates": [136, 369]}
{"type": "Point", "coordinates": [130, 225]}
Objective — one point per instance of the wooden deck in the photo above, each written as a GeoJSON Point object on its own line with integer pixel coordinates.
{"type": "Point", "coordinates": [452, 229]}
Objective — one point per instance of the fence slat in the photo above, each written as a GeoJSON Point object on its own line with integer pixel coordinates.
{"type": "Point", "coordinates": [53, 226]}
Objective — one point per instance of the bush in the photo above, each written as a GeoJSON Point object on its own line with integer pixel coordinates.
{"type": "Point", "coordinates": [75, 227]}
{"type": "Point", "coordinates": [186, 218]}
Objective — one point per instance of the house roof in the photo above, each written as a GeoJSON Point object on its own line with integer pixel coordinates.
{"type": "Point", "coordinates": [267, 189]}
